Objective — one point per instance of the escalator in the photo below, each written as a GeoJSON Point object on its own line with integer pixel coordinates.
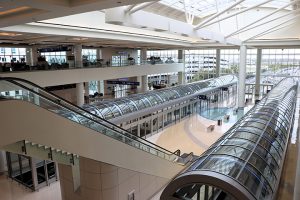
{"type": "Point", "coordinates": [29, 97]}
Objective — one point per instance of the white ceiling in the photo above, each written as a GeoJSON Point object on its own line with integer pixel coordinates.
{"type": "Point", "coordinates": [13, 12]}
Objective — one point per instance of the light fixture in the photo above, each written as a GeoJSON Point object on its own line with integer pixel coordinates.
{"type": "Point", "coordinates": [9, 34]}
{"type": "Point", "coordinates": [14, 10]}
{"type": "Point", "coordinates": [79, 39]}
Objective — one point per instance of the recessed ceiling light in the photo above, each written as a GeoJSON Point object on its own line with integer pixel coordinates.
{"type": "Point", "coordinates": [15, 10]}
{"type": "Point", "coordinates": [79, 39]}
{"type": "Point", "coordinates": [9, 34]}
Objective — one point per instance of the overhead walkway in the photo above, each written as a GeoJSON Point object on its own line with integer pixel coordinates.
{"type": "Point", "coordinates": [247, 161]}
{"type": "Point", "coordinates": [141, 104]}
{"type": "Point", "coordinates": [33, 124]}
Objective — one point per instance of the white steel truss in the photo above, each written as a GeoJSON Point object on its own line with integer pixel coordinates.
{"type": "Point", "coordinates": [260, 19]}
{"type": "Point", "coordinates": [200, 25]}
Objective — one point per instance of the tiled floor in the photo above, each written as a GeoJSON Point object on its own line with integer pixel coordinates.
{"type": "Point", "coordinates": [190, 135]}
{"type": "Point", "coordinates": [11, 190]}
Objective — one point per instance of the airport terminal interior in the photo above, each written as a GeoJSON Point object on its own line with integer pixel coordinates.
{"type": "Point", "coordinates": [149, 100]}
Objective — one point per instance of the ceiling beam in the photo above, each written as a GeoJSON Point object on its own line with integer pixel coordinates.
{"type": "Point", "coordinates": [275, 28]}
{"type": "Point", "coordinates": [271, 20]}
{"type": "Point", "coordinates": [129, 8]}
{"type": "Point", "coordinates": [236, 13]}
{"type": "Point", "coordinates": [200, 25]}
{"type": "Point", "coordinates": [260, 19]}
{"type": "Point", "coordinates": [141, 6]}
{"type": "Point", "coordinates": [188, 16]}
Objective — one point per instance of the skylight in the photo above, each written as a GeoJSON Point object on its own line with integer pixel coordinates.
{"type": "Point", "coordinates": [203, 8]}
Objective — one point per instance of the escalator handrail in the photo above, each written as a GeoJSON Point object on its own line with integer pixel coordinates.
{"type": "Point", "coordinates": [78, 107]}
{"type": "Point", "coordinates": [12, 80]}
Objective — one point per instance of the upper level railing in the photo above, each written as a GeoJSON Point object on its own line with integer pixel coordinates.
{"type": "Point", "coordinates": [14, 67]}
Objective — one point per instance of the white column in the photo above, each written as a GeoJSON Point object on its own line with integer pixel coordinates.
{"type": "Point", "coordinates": [86, 89]}
{"type": "Point", "coordinates": [169, 79]}
{"type": "Point", "coordinates": [257, 74]}
{"type": "Point", "coordinates": [242, 77]}
{"type": "Point", "coordinates": [80, 94]}
{"type": "Point", "coordinates": [144, 84]}
{"type": "Point", "coordinates": [3, 162]}
{"type": "Point", "coordinates": [71, 62]}
{"type": "Point", "coordinates": [78, 55]}
{"type": "Point", "coordinates": [218, 62]}
{"type": "Point", "coordinates": [34, 56]}
{"type": "Point", "coordinates": [98, 54]}
{"type": "Point", "coordinates": [139, 88]}
{"type": "Point", "coordinates": [28, 56]}
{"type": "Point", "coordinates": [181, 78]}
{"type": "Point", "coordinates": [101, 87]}
{"type": "Point", "coordinates": [143, 56]}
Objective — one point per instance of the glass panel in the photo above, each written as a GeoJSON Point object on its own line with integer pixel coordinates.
{"type": "Point", "coordinates": [254, 182]}
{"type": "Point", "coordinates": [59, 106]}
{"type": "Point", "coordinates": [226, 165]}
{"type": "Point", "coordinates": [233, 151]}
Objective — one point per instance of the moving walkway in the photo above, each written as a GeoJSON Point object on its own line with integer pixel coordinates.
{"type": "Point", "coordinates": [247, 161]}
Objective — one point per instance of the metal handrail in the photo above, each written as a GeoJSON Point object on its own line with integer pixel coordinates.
{"type": "Point", "coordinates": [152, 145]}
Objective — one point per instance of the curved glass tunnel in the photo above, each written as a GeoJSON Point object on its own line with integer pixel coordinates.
{"type": "Point", "coordinates": [109, 109]}
{"type": "Point", "coordinates": [246, 162]}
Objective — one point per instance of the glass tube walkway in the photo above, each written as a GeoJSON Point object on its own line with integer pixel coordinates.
{"type": "Point", "coordinates": [115, 108]}
{"type": "Point", "coordinates": [246, 162]}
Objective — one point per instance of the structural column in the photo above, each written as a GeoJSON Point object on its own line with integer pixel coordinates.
{"type": "Point", "coordinates": [86, 88]}
{"type": "Point", "coordinates": [218, 62]}
{"type": "Point", "coordinates": [143, 56]}
{"type": "Point", "coordinates": [242, 77]}
{"type": "Point", "coordinates": [169, 79]}
{"type": "Point", "coordinates": [98, 54]}
{"type": "Point", "coordinates": [181, 78]}
{"type": "Point", "coordinates": [144, 84]}
{"type": "Point", "coordinates": [34, 56]}
{"type": "Point", "coordinates": [28, 56]}
{"type": "Point", "coordinates": [78, 55]}
{"type": "Point", "coordinates": [101, 87]}
{"type": "Point", "coordinates": [80, 94]}
{"type": "Point", "coordinates": [257, 74]}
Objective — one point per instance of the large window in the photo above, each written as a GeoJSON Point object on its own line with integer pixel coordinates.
{"type": "Point", "coordinates": [280, 61]}
{"type": "Point", "coordinates": [167, 56]}
{"type": "Point", "coordinates": [12, 54]}
{"type": "Point", "coordinates": [55, 57]}
{"type": "Point", "coordinates": [251, 62]}
{"type": "Point", "coordinates": [200, 64]}
{"type": "Point", "coordinates": [89, 55]}
{"type": "Point", "coordinates": [93, 87]}
{"type": "Point", "coordinates": [230, 60]}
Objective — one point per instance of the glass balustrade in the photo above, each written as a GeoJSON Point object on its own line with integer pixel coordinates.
{"type": "Point", "coordinates": [22, 90]}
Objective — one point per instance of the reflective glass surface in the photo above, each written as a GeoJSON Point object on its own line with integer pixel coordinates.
{"type": "Point", "coordinates": [109, 109]}
{"type": "Point", "coordinates": [252, 151]}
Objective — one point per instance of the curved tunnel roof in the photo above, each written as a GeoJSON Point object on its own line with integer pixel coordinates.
{"type": "Point", "coordinates": [109, 109]}
{"type": "Point", "coordinates": [247, 160]}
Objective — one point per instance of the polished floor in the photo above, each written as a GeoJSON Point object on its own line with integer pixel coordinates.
{"type": "Point", "coordinates": [191, 135]}
{"type": "Point", "coordinates": [11, 190]}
